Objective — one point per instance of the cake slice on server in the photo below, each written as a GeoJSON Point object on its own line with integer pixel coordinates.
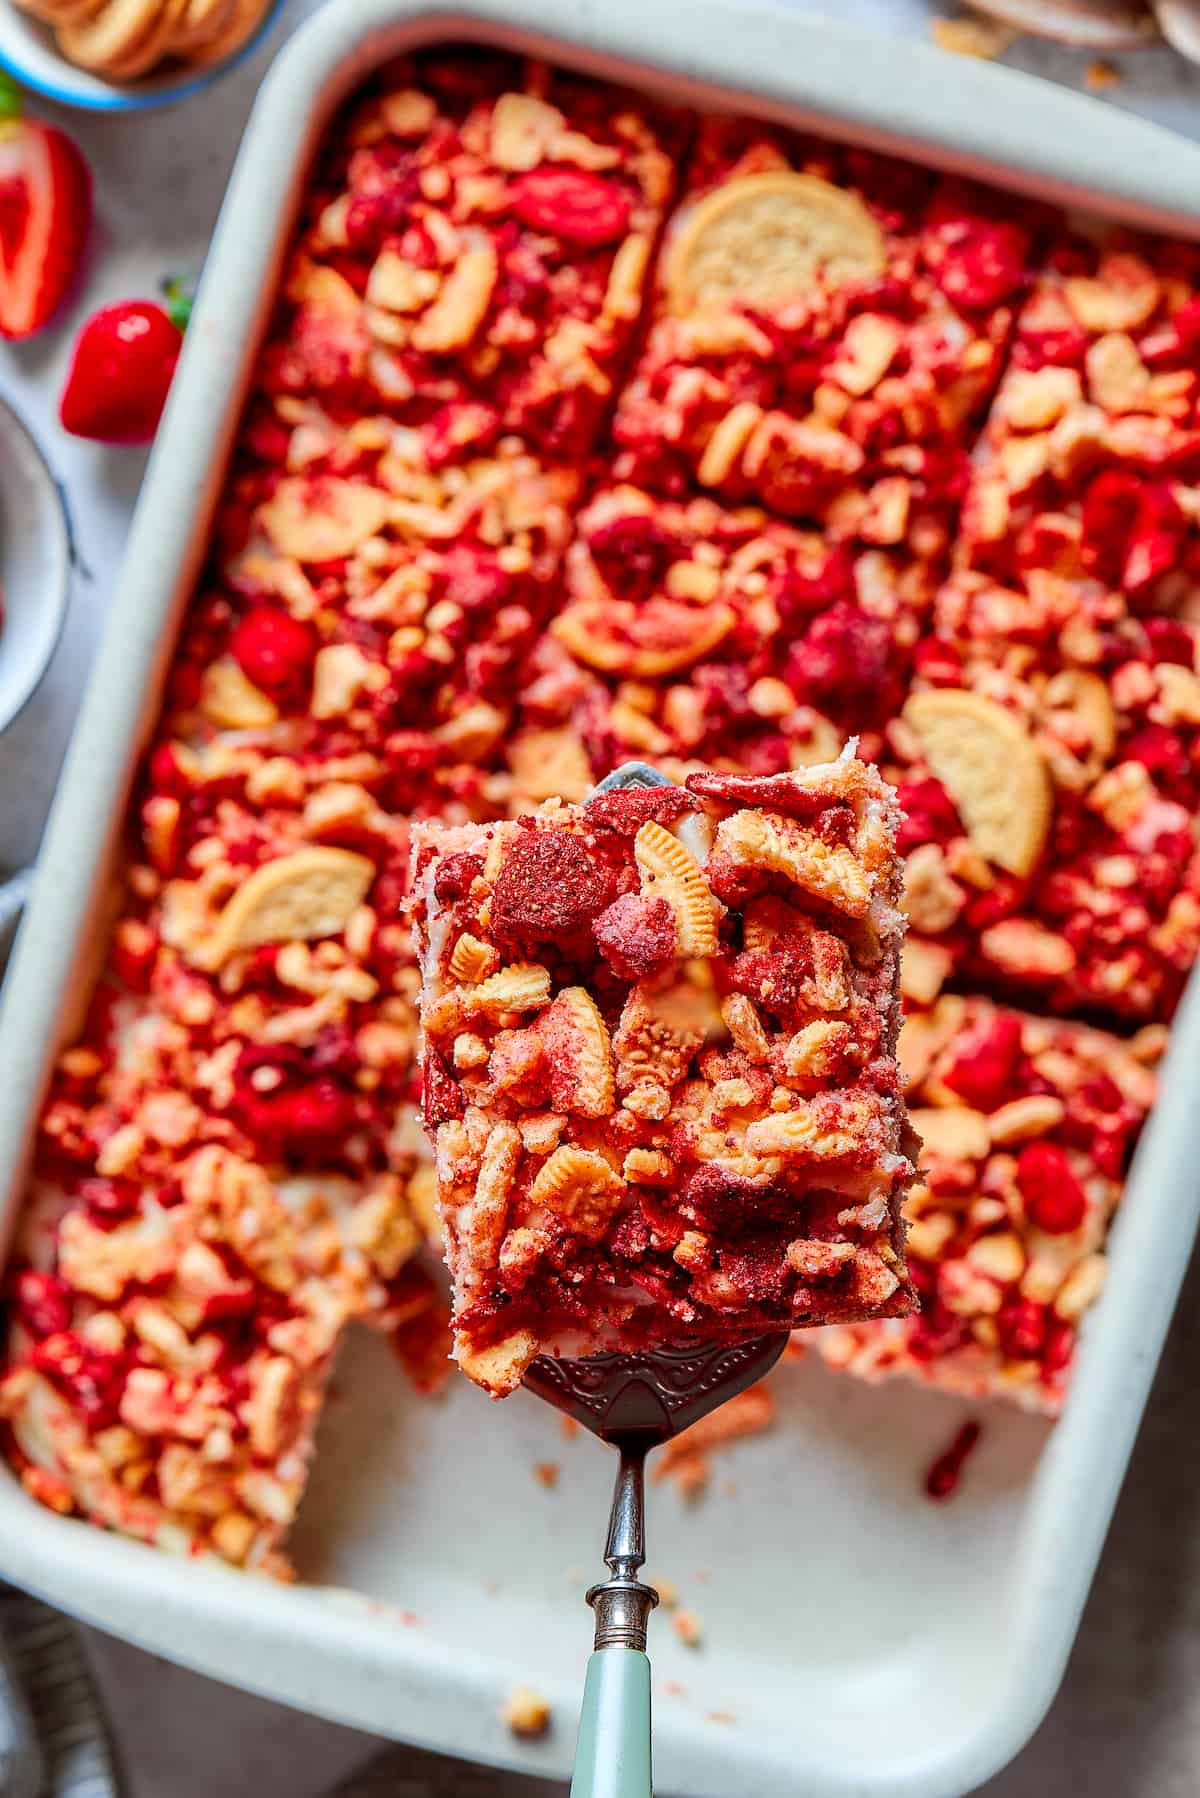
{"type": "Point", "coordinates": [659, 1036]}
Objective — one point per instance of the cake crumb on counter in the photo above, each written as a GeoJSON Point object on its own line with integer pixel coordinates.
{"type": "Point", "coordinates": [526, 1712]}
{"type": "Point", "coordinates": [1102, 74]}
{"type": "Point", "coordinates": [945, 1474]}
{"type": "Point", "coordinates": [983, 38]}
{"type": "Point", "coordinates": [668, 1592]}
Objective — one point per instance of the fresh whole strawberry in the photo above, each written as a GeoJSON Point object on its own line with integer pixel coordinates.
{"type": "Point", "coordinates": [45, 214]}
{"type": "Point", "coordinates": [120, 373]}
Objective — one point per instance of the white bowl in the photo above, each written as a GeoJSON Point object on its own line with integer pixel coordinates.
{"type": "Point", "coordinates": [28, 52]}
{"type": "Point", "coordinates": [35, 564]}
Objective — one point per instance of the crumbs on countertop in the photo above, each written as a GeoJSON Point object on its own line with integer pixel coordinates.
{"type": "Point", "coordinates": [668, 1591]}
{"type": "Point", "coordinates": [1101, 75]}
{"type": "Point", "coordinates": [526, 1713]}
{"type": "Point", "coordinates": [944, 1475]}
{"type": "Point", "coordinates": [982, 38]}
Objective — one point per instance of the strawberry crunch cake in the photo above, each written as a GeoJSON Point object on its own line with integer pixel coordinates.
{"type": "Point", "coordinates": [586, 428]}
{"type": "Point", "coordinates": [659, 1047]}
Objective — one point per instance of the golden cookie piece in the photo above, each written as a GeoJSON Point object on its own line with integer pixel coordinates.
{"type": "Point", "coordinates": [992, 769]}
{"type": "Point", "coordinates": [498, 1366]}
{"type": "Point", "coordinates": [781, 845]}
{"type": "Point", "coordinates": [660, 636]}
{"type": "Point", "coordinates": [522, 986]}
{"type": "Point", "coordinates": [322, 520]}
{"type": "Point", "coordinates": [229, 39]}
{"type": "Point", "coordinates": [102, 41]}
{"type": "Point", "coordinates": [202, 22]}
{"type": "Point", "coordinates": [669, 872]}
{"type": "Point", "coordinates": [63, 12]}
{"type": "Point", "coordinates": [149, 50]}
{"type": "Point", "coordinates": [576, 1016]}
{"type": "Point", "coordinates": [471, 960]}
{"type": "Point", "coordinates": [660, 1031]}
{"type": "Point", "coordinates": [308, 894]}
{"type": "Point", "coordinates": [768, 238]}
{"type": "Point", "coordinates": [580, 1187]}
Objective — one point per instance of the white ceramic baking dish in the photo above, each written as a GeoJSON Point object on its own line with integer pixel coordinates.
{"type": "Point", "coordinates": [858, 1640]}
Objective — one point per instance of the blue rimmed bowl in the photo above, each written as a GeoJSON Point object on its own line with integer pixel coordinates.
{"type": "Point", "coordinates": [29, 53]}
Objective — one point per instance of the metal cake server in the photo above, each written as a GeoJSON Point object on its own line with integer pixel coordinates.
{"type": "Point", "coordinates": [636, 1402]}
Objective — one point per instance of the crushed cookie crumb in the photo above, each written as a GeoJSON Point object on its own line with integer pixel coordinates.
{"type": "Point", "coordinates": [686, 1625]}
{"type": "Point", "coordinates": [668, 1592]}
{"type": "Point", "coordinates": [526, 1713]}
{"type": "Point", "coordinates": [1100, 75]}
{"type": "Point", "coordinates": [982, 38]}
{"type": "Point", "coordinates": [546, 1473]}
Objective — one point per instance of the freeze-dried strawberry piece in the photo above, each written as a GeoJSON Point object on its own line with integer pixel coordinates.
{"type": "Point", "coordinates": [984, 1062]}
{"type": "Point", "coordinates": [627, 809]}
{"type": "Point", "coordinates": [475, 578]}
{"type": "Point", "coordinates": [1162, 752]}
{"type": "Point", "coordinates": [441, 1095]}
{"type": "Point", "coordinates": [453, 876]}
{"type": "Point", "coordinates": [983, 261]}
{"type": "Point", "coordinates": [133, 955]}
{"type": "Point", "coordinates": [787, 799]}
{"type": "Point", "coordinates": [636, 936]}
{"type": "Point", "coordinates": [930, 814]}
{"type": "Point", "coordinates": [92, 1379]}
{"type": "Point", "coordinates": [110, 1200]}
{"type": "Point", "coordinates": [409, 758]}
{"type": "Point", "coordinates": [460, 426]}
{"type": "Point", "coordinates": [774, 976]}
{"type": "Point", "coordinates": [936, 1330]}
{"type": "Point", "coordinates": [43, 1302]}
{"type": "Point", "coordinates": [548, 888]}
{"type": "Point", "coordinates": [274, 650]}
{"type": "Point", "coordinates": [1021, 1326]}
{"type": "Point", "coordinates": [287, 1106]}
{"type": "Point", "coordinates": [938, 662]}
{"type": "Point", "coordinates": [849, 666]}
{"type": "Point", "coordinates": [384, 183]}
{"type": "Point", "coordinates": [1059, 347]}
{"type": "Point", "coordinates": [1109, 516]}
{"type": "Point", "coordinates": [632, 553]}
{"type": "Point", "coordinates": [1054, 1199]}
{"type": "Point", "coordinates": [1132, 529]}
{"type": "Point", "coordinates": [1171, 641]}
{"type": "Point", "coordinates": [805, 590]}
{"type": "Point", "coordinates": [581, 207]}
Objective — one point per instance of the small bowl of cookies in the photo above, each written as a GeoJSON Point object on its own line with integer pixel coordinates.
{"type": "Point", "coordinates": [124, 55]}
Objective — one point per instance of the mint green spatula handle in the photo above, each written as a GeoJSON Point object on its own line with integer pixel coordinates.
{"type": "Point", "coordinates": [612, 1755]}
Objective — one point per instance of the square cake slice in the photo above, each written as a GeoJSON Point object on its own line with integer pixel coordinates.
{"type": "Point", "coordinates": [659, 1064]}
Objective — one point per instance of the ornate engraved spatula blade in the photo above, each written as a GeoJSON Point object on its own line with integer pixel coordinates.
{"type": "Point", "coordinates": [652, 1396]}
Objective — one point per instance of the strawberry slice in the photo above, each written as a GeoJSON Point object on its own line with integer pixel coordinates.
{"type": "Point", "coordinates": [45, 214]}
{"type": "Point", "coordinates": [120, 373]}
